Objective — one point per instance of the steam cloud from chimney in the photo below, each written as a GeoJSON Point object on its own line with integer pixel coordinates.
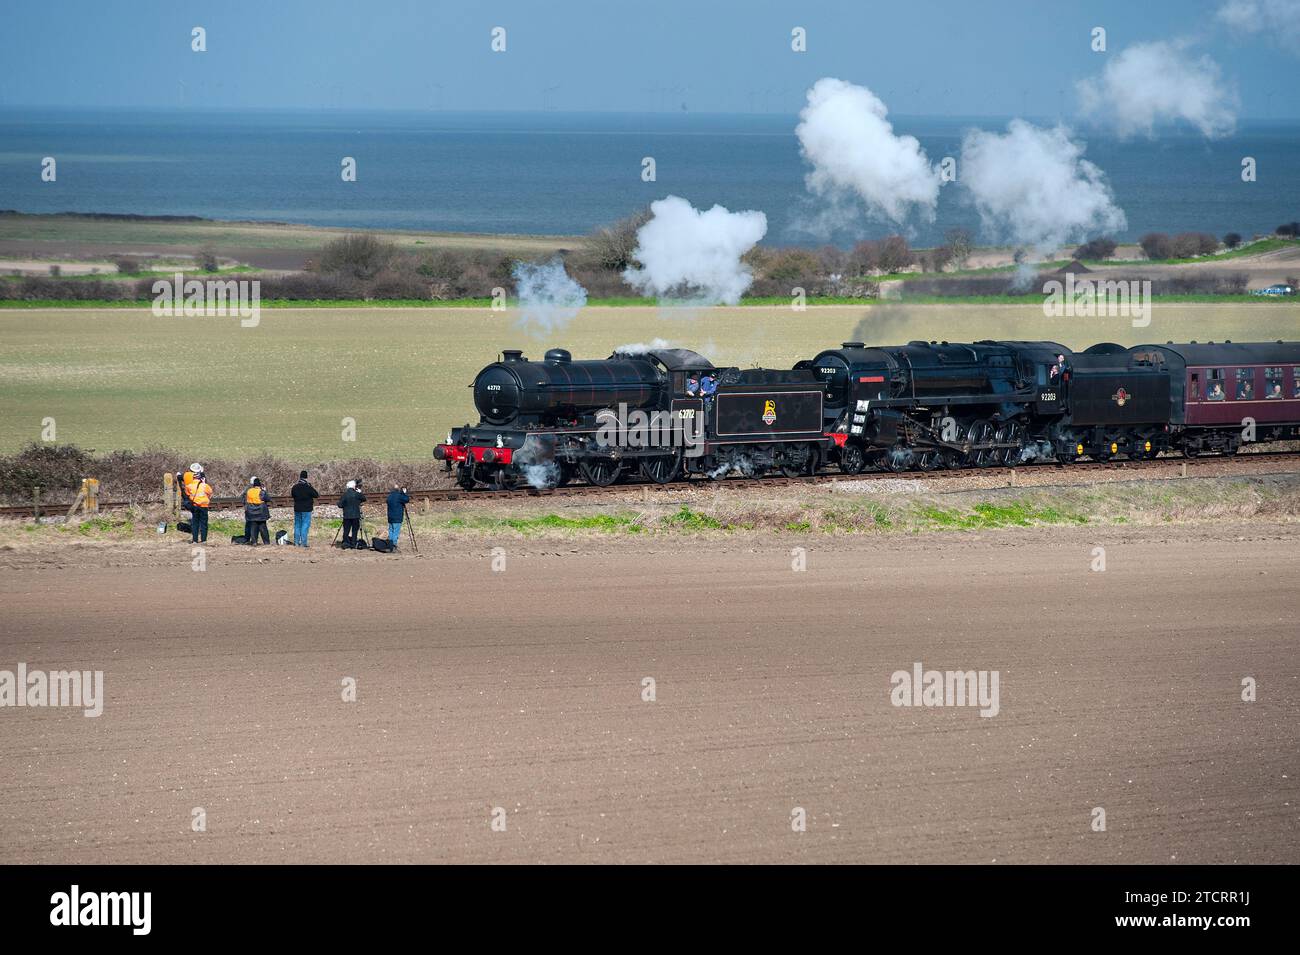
{"type": "Point", "coordinates": [693, 257]}
{"type": "Point", "coordinates": [853, 150]}
{"type": "Point", "coordinates": [549, 298]}
{"type": "Point", "coordinates": [1032, 186]}
{"type": "Point", "coordinates": [1151, 83]}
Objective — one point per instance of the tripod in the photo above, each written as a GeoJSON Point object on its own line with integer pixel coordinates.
{"type": "Point", "coordinates": [361, 533]}
{"type": "Point", "coordinates": [410, 527]}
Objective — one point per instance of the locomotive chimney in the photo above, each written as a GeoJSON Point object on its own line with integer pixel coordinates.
{"type": "Point", "coordinates": [854, 345]}
{"type": "Point", "coordinates": [512, 354]}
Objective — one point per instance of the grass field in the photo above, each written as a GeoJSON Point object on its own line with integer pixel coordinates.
{"type": "Point", "coordinates": [122, 379]}
{"type": "Point", "coordinates": [187, 236]}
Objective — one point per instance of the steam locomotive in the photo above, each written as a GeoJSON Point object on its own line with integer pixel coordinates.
{"type": "Point", "coordinates": [670, 413]}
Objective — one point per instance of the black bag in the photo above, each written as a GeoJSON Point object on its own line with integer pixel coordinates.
{"type": "Point", "coordinates": [241, 539]}
{"type": "Point", "coordinates": [381, 544]}
{"type": "Point", "coordinates": [183, 526]}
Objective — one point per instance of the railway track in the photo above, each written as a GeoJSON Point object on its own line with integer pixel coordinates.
{"type": "Point", "coordinates": [435, 495]}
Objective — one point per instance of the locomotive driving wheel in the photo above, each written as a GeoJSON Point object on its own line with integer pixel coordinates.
{"type": "Point", "coordinates": [601, 473]}
{"type": "Point", "coordinates": [853, 460]}
{"type": "Point", "coordinates": [929, 460]}
{"type": "Point", "coordinates": [981, 432]}
{"type": "Point", "coordinates": [1009, 432]}
{"type": "Point", "coordinates": [662, 468]}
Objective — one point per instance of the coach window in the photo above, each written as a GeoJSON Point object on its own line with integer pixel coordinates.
{"type": "Point", "coordinates": [1245, 383]}
{"type": "Point", "coordinates": [1214, 389]}
{"type": "Point", "coordinates": [1273, 383]}
{"type": "Point", "coordinates": [1295, 382]}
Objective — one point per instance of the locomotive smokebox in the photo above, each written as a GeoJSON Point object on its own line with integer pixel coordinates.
{"type": "Point", "coordinates": [538, 392]}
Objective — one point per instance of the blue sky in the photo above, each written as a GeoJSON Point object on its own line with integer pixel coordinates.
{"type": "Point", "coordinates": [936, 58]}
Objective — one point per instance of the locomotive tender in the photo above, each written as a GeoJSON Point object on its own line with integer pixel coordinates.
{"type": "Point", "coordinates": [922, 405]}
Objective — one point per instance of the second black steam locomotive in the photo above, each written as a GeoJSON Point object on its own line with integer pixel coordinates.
{"type": "Point", "coordinates": [669, 413]}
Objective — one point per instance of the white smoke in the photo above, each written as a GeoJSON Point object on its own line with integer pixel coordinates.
{"type": "Point", "coordinates": [1279, 19]}
{"type": "Point", "coordinates": [1033, 186]}
{"type": "Point", "coordinates": [852, 147]}
{"type": "Point", "coordinates": [693, 256]}
{"type": "Point", "coordinates": [542, 476]}
{"type": "Point", "coordinates": [548, 297]}
{"type": "Point", "coordinates": [1150, 83]}
{"type": "Point", "coordinates": [642, 348]}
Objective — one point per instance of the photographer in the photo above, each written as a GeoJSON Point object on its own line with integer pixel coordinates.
{"type": "Point", "coordinates": [397, 501]}
{"type": "Point", "coordinates": [304, 501]}
{"type": "Point", "coordinates": [257, 511]}
{"type": "Point", "coordinates": [350, 503]}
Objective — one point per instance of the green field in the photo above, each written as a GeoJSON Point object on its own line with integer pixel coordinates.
{"type": "Point", "coordinates": [186, 236]}
{"type": "Point", "coordinates": [122, 379]}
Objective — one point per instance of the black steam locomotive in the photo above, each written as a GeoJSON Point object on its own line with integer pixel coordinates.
{"type": "Point", "coordinates": [669, 413]}
{"type": "Point", "coordinates": [928, 405]}
{"type": "Point", "coordinates": [661, 413]}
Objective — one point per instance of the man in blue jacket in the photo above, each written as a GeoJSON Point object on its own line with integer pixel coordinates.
{"type": "Point", "coordinates": [397, 501]}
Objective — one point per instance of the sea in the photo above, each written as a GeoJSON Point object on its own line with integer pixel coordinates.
{"type": "Point", "coordinates": [555, 173]}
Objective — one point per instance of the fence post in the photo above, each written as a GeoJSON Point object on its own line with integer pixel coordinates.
{"type": "Point", "coordinates": [36, 503]}
{"type": "Point", "coordinates": [91, 488]}
{"type": "Point", "coordinates": [169, 492]}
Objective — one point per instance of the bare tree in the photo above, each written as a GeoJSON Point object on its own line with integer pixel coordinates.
{"type": "Point", "coordinates": [613, 247]}
{"type": "Point", "coordinates": [962, 243]}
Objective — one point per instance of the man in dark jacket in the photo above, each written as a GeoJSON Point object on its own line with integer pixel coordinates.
{"type": "Point", "coordinates": [257, 511]}
{"type": "Point", "coordinates": [350, 503]}
{"type": "Point", "coordinates": [304, 502]}
{"type": "Point", "coordinates": [397, 501]}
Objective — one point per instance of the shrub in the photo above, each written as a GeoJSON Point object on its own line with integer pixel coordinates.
{"type": "Point", "coordinates": [1096, 249]}
{"type": "Point", "coordinates": [895, 254]}
{"type": "Point", "coordinates": [1232, 240]}
{"type": "Point", "coordinates": [1189, 244]}
{"type": "Point", "coordinates": [396, 284]}
{"type": "Point", "coordinates": [1291, 229]}
{"type": "Point", "coordinates": [791, 265]}
{"type": "Point", "coordinates": [362, 256]}
{"type": "Point", "coordinates": [207, 259]}
{"type": "Point", "coordinates": [47, 466]}
{"type": "Point", "coordinates": [1157, 245]}
{"type": "Point", "coordinates": [127, 266]}
{"type": "Point", "coordinates": [612, 247]}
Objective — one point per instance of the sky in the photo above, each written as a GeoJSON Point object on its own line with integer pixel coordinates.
{"type": "Point", "coordinates": [961, 58]}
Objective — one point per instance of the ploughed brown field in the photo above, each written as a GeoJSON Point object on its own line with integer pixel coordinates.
{"type": "Point", "coordinates": [523, 689]}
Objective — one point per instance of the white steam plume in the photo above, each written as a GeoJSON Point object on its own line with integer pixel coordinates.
{"type": "Point", "coordinates": [642, 348]}
{"type": "Point", "coordinates": [1150, 83]}
{"type": "Point", "coordinates": [693, 256]}
{"type": "Point", "coordinates": [1033, 186]}
{"type": "Point", "coordinates": [852, 147]}
{"type": "Point", "coordinates": [1279, 19]}
{"type": "Point", "coordinates": [548, 298]}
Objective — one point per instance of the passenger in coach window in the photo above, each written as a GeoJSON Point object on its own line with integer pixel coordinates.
{"type": "Point", "coordinates": [1216, 393]}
